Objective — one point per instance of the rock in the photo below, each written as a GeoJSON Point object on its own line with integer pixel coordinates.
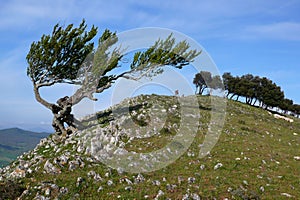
{"type": "Point", "coordinates": [160, 193]}
{"type": "Point", "coordinates": [47, 192]}
{"type": "Point", "coordinates": [261, 188]}
{"type": "Point", "coordinates": [139, 179]}
{"type": "Point", "coordinates": [297, 158]}
{"type": "Point", "coordinates": [170, 187]}
{"type": "Point", "coordinates": [79, 181]}
{"type": "Point", "coordinates": [156, 182]}
{"type": "Point", "coordinates": [218, 165]}
{"type": "Point", "coordinates": [63, 190]}
{"type": "Point", "coordinates": [120, 170]}
{"type": "Point", "coordinates": [110, 182]}
{"type": "Point", "coordinates": [185, 197]}
{"type": "Point", "coordinates": [100, 189]}
{"type": "Point", "coordinates": [80, 148]}
{"type": "Point", "coordinates": [40, 197]}
{"type": "Point", "coordinates": [18, 173]}
{"type": "Point", "coordinates": [195, 196]}
{"type": "Point", "coordinates": [287, 195]}
{"type": "Point", "coordinates": [128, 188]}
{"type": "Point", "coordinates": [50, 168]}
{"type": "Point", "coordinates": [202, 167]}
{"type": "Point", "coordinates": [129, 182]}
{"type": "Point", "coordinates": [191, 180]}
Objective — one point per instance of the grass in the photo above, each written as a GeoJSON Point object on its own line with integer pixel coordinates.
{"type": "Point", "coordinates": [256, 151]}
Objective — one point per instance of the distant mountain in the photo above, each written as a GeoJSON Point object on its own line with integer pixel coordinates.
{"type": "Point", "coordinates": [15, 141]}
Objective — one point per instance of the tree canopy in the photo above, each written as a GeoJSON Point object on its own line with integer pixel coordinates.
{"type": "Point", "coordinates": [204, 80]}
{"type": "Point", "coordinates": [259, 90]}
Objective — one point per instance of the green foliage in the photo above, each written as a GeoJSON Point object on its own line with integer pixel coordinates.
{"type": "Point", "coordinates": [255, 88]}
{"type": "Point", "coordinates": [163, 52]}
{"type": "Point", "coordinates": [204, 80]}
{"type": "Point", "coordinates": [57, 57]}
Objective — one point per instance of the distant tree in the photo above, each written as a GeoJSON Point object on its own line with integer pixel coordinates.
{"type": "Point", "coordinates": [216, 83]}
{"type": "Point", "coordinates": [202, 80]}
{"type": "Point", "coordinates": [68, 56]}
{"type": "Point", "coordinates": [286, 105]}
{"type": "Point", "coordinates": [254, 89]}
{"type": "Point", "coordinates": [270, 94]}
{"type": "Point", "coordinates": [296, 109]}
{"type": "Point", "coordinates": [230, 84]}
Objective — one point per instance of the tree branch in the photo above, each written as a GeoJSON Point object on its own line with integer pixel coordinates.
{"type": "Point", "coordinates": [40, 99]}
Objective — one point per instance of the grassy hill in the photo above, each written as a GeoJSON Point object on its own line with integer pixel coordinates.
{"type": "Point", "coordinates": [256, 156]}
{"type": "Point", "coordinates": [15, 141]}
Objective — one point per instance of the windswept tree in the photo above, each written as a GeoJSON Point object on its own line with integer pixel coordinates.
{"type": "Point", "coordinates": [68, 56]}
{"type": "Point", "coordinates": [201, 81]}
{"type": "Point", "coordinates": [204, 80]}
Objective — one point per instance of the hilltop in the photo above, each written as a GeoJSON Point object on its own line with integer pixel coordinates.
{"type": "Point", "coordinates": [256, 156]}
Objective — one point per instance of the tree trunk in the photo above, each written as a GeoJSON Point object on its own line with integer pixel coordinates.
{"type": "Point", "coordinates": [62, 115]}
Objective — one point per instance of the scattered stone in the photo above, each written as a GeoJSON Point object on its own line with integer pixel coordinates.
{"type": "Point", "coordinates": [287, 195]}
{"type": "Point", "coordinates": [63, 190]}
{"type": "Point", "coordinates": [202, 167]}
{"type": "Point", "coordinates": [128, 188]}
{"type": "Point", "coordinates": [47, 192]}
{"type": "Point", "coordinates": [110, 182]}
{"type": "Point", "coordinates": [79, 181]}
{"type": "Point", "coordinates": [245, 182]}
{"type": "Point", "coordinates": [120, 170]}
{"type": "Point", "coordinates": [185, 197]}
{"type": "Point", "coordinates": [191, 180]}
{"type": "Point", "coordinates": [156, 182]}
{"type": "Point", "coordinates": [297, 158]}
{"type": "Point", "coordinates": [18, 173]}
{"type": "Point", "coordinates": [100, 189]}
{"type": "Point", "coordinates": [160, 193]}
{"type": "Point", "coordinates": [217, 166]}
{"type": "Point", "coordinates": [139, 179]}
{"type": "Point", "coordinates": [50, 168]}
{"type": "Point", "coordinates": [170, 187]}
{"type": "Point", "coordinates": [195, 196]}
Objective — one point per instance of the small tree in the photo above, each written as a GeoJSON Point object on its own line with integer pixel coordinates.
{"type": "Point", "coordinates": [201, 80]}
{"type": "Point", "coordinates": [68, 56]}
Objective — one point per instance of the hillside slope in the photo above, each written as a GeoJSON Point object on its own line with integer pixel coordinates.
{"type": "Point", "coordinates": [256, 156]}
{"type": "Point", "coordinates": [15, 141]}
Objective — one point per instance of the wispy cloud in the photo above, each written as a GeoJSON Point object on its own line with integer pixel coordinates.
{"type": "Point", "coordinates": [275, 31]}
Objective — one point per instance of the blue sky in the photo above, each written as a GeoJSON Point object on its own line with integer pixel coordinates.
{"type": "Point", "coordinates": [257, 37]}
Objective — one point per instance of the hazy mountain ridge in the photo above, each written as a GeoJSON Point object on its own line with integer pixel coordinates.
{"type": "Point", "coordinates": [256, 157]}
{"type": "Point", "coordinates": [15, 141]}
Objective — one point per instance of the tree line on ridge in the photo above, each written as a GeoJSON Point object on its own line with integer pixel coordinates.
{"type": "Point", "coordinates": [257, 91]}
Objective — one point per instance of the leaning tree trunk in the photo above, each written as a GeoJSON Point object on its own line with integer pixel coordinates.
{"type": "Point", "coordinates": [62, 115]}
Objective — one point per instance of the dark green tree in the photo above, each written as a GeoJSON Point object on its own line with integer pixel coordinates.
{"type": "Point", "coordinates": [270, 94]}
{"type": "Point", "coordinates": [229, 82]}
{"type": "Point", "coordinates": [296, 109]}
{"type": "Point", "coordinates": [202, 80]}
{"type": "Point", "coordinates": [68, 56]}
{"type": "Point", "coordinates": [286, 105]}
